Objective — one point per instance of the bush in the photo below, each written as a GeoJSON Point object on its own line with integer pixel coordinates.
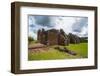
{"type": "Point", "coordinates": [30, 39]}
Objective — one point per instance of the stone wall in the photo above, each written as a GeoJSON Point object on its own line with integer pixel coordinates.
{"type": "Point", "coordinates": [52, 37]}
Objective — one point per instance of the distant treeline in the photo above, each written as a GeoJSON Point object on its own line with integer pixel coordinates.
{"type": "Point", "coordinates": [84, 39]}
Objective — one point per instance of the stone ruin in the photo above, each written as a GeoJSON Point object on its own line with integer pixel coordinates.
{"type": "Point", "coordinates": [56, 37]}
{"type": "Point", "coordinates": [74, 38]}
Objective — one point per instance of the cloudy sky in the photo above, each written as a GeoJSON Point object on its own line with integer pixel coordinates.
{"type": "Point", "coordinates": [70, 24]}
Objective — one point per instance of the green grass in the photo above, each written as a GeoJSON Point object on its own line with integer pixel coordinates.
{"type": "Point", "coordinates": [81, 49]}
{"type": "Point", "coordinates": [52, 54]}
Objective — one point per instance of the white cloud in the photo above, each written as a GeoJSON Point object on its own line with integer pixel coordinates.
{"type": "Point", "coordinates": [84, 31]}
{"type": "Point", "coordinates": [64, 23]}
{"type": "Point", "coordinates": [60, 22]}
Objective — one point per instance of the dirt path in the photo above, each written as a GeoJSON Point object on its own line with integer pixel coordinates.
{"type": "Point", "coordinates": [37, 47]}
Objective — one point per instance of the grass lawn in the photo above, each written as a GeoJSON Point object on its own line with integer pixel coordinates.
{"type": "Point", "coordinates": [52, 54]}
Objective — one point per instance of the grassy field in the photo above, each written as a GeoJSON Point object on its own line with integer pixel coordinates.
{"type": "Point", "coordinates": [52, 54]}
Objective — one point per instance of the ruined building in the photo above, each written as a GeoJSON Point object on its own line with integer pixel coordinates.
{"type": "Point", "coordinates": [56, 37]}
{"type": "Point", "coordinates": [74, 38]}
